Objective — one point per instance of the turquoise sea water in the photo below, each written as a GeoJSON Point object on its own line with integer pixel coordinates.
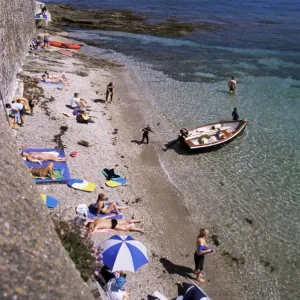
{"type": "Point", "coordinates": [256, 178]}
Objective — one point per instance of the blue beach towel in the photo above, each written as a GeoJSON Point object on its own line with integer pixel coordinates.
{"type": "Point", "coordinates": [61, 170]}
{"type": "Point", "coordinates": [93, 210]}
{"type": "Point", "coordinates": [52, 83]}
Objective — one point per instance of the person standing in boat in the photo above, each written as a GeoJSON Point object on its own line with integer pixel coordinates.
{"type": "Point", "coordinates": [146, 131]}
{"type": "Point", "coordinates": [235, 116]}
{"type": "Point", "coordinates": [232, 84]}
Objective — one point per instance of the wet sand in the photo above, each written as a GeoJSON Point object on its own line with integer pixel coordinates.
{"type": "Point", "coordinates": [170, 232]}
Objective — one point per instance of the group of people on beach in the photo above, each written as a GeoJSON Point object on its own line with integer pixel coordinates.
{"type": "Point", "coordinates": [17, 109]}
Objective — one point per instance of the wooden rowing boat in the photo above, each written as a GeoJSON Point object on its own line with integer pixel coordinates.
{"type": "Point", "coordinates": [214, 135]}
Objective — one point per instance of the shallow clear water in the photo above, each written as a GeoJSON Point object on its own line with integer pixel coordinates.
{"type": "Point", "coordinates": [256, 178]}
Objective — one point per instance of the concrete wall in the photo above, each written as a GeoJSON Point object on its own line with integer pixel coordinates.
{"type": "Point", "coordinates": [16, 30]}
{"type": "Point", "coordinates": [33, 264]}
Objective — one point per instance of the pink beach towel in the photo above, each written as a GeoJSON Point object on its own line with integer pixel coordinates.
{"type": "Point", "coordinates": [65, 52]}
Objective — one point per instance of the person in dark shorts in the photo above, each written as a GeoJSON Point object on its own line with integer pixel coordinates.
{"type": "Point", "coordinates": [199, 254]}
{"type": "Point", "coordinates": [146, 131]}
{"type": "Point", "coordinates": [119, 225]}
{"type": "Point", "coordinates": [109, 91]}
{"type": "Point", "coordinates": [235, 115]}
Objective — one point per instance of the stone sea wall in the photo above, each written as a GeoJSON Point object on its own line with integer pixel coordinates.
{"type": "Point", "coordinates": [33, 264]}
{"type": "Point", "coordinates": [16, 30]}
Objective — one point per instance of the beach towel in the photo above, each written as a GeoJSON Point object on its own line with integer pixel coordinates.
{"type": "Point", "coordinates": [52, 83]}
{"type": "Point", "coordinates": [93, 210]}
{"type": "Point", "coordinates": [65, 52]}
{"type": "Point", "coordinates": [61, 170]}
{"type": "Point", "coordinates": [57, 174]}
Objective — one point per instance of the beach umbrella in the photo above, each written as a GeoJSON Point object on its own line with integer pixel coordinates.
{"type": "Point", "coordinates": [123, 253]}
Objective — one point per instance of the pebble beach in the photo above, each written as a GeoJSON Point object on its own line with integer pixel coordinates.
{"type": "Point", "coordinates": [170, 233]}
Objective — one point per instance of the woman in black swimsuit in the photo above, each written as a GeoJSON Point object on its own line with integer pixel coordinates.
{"type": "Point", "coordinates": [106, 209]}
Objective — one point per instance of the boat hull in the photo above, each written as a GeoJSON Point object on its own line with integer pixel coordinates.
{"type": "Point", "coordinates": [65, 45]}
{"type": "Point", "coordinates": [235, 128]}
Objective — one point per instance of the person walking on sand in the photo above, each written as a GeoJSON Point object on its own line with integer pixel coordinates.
{"type": "Point", "coordinates": [232, 84]}
{"type": "Point", "coordinates": [146, 131]}
{"type": "Point", "coordinates": [109, 91]}
{"type": "Point", "coordinates": [235, 116]}
{"type": "Point", "coordinates": [201, 250]}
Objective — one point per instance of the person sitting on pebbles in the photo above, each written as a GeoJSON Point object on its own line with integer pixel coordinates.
{"type": "Point", "coordinates": [39, 157]}
{"type": "Point", "coordinates": [78, 102]}
{"type": "Point", "coordinates": [103, 208]}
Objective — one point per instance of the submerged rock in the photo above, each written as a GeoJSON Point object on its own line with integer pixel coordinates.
{"type": "Point", "coordinates": [114, 20]}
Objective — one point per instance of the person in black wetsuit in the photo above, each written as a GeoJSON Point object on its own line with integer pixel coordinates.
{"type": "Point", "coordinates": [235, 115]}
{"type": "Point", "coordinates": [146, 131]}
{"type": "Point", "coordinates": [109, 91]}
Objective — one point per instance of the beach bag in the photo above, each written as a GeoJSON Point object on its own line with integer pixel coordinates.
{"type": "Point", "coordinates": [82, 211]}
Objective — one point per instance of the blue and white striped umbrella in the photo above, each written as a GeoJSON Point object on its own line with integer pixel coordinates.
{"type": "Point", "coordinates": [123, 253]}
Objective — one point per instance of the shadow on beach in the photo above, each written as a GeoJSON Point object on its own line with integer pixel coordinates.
{"type": "Point", "coordinates": [176, 269]}
{"type": "Point", "coordinates": [178, 147]}
{"type": "Point", "coordinates": [99, 100]}
{"type": "Point", "coordinates": [136, 142]}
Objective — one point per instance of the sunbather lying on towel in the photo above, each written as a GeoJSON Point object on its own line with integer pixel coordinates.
{"type": "Point", "coordinates": [39, 157]}
{"type": "Point", "coordinates": [106, 209]}
{"type": "Point", "coordinates": [54, 80]}
{"type": "Point", "coordinates": [43, 172]}
{"type": "Point", "coordinates": [53, 76]}
{"type": "Point", "coordinates": [118, 225]}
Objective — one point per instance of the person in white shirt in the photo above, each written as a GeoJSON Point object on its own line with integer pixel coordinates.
{"type": "Point", "coordinates": [17, 107]}
{"type": "Point", "coordinates": [77, 102]}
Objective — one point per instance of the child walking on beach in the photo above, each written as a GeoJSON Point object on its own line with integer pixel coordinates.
{"type": "Point", "coordinates": [146, 131]}
{"type": "Point", "coordinates": [201, 250]}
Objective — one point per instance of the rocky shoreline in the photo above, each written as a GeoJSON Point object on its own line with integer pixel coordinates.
{"type": "Point", "coordinates": [126, 21]}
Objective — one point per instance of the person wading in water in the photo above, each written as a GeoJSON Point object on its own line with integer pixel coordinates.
{"type": "Point", "coordinates": [232, 85]}
{"type": "Point", "coordinates": [235, 115]}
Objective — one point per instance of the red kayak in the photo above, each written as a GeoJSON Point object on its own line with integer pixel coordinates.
{"type": "Point", "coordinates": [64, 45]}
